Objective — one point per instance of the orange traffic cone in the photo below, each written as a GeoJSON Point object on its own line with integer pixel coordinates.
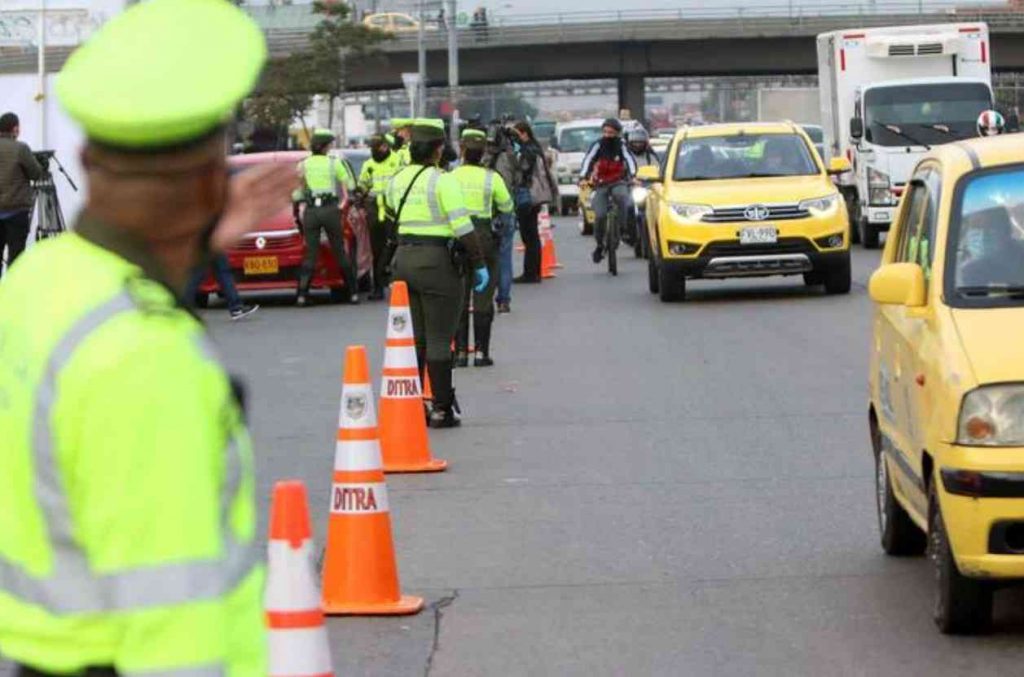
{"type": "Point", "coordinates": [298, 639]}
{"type": "Point", "coordinates": [403, 428]}
{"type": "Point", "coordinates": [428, 393]}
{"type": "Point", "coordinates": [360, 574]}
{"type": "Point", "coordinates": [548, 259]}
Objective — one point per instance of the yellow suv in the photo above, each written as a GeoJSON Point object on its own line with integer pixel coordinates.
{"type": "Point", "coordinates": [745, 200]}
{"type": "Point", "coordinates": [947, 375]}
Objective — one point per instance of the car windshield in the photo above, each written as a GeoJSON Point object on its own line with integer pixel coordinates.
{"type": "Point", "coordinates": [816, 133]}
{"type": "Point", "coordinates": [989, 256]}
{"type": "Point", "coordinates": [924, 114]}
{"type": "Point", "coordinates": [578, 139]}
{"type": "Point", "coordinates": [743, 156]}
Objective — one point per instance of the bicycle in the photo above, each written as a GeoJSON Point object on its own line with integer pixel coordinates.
{"type": "Point", "coordinates": [611, 236]}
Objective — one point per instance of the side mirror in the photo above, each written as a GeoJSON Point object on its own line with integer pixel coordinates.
{"type": "Point", "coordinates": [838, 165]}
{"type": "Point", "coordinates": [900, 284]}
{"type": "Point", "coordinates": [648, 173]}
{"type": "Point", "coordinates": [857, 128]}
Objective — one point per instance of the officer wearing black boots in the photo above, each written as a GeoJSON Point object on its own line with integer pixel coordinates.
{"type": "Point", "coordinates": [486, 195]}
{"type": "Point", "coordinates": [437, 247]}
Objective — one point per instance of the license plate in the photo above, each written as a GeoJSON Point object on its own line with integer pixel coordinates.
{"type": "Point", "coordinates": [760, 235]}
{"type": "Point", "coordinates": [260, 265]}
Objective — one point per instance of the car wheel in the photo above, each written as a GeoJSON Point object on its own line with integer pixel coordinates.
{"type": "Point", "coordinates": [652, 276]}
{"type": "Point", "coordinates": [339, 295]}
{"type": "Point", "coordinates": [853, 213]}
{"type": "Point", "coordinates": [202, 300]}
{"type": "Point", "coordinates": [814, 278]}
{"type": "Point", "coordinates": [899, 535]}
{"type": "Point", "coordinates": [869, 233]}
{"type": "Point", "coordinates": [838, 278]}
{"type": "Point", "coordinates": [671, 287]}
{"type": "Point", "coordinates": [963, 605]}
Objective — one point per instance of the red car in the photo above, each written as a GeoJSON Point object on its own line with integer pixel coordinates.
{"type": "Point", "coordinates": [270, 257]}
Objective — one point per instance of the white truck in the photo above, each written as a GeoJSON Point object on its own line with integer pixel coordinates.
{"type": "Point", "coordinates": [887, 96]}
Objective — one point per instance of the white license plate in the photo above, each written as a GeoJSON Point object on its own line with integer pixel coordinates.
{"type": "Point", "coordinates": [760, 235]}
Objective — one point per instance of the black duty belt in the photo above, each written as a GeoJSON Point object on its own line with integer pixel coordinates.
{"type": "Point", "coordinates": [322, 200]}
{"type": "Point", "coordinates": [423, 241]}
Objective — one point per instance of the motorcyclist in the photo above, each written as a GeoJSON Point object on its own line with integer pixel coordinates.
{"type": "Point", "coordinates": [991, 123]}
{"type": "Point", "coordinates": [609, 167]}
{"type": "Point", "coordinates": [640, 146]}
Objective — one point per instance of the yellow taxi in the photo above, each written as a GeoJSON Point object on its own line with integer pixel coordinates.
{"type": "Point", "coordinates": [947, 375]}
{"type": "Point", "coordinates": [745, 200]}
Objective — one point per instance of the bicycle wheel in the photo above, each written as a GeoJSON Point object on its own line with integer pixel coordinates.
{"type": "Point", "coordinates": [612, 240]}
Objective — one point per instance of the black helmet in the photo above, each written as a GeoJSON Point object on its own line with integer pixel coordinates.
{"type": "Point", "coordinates": [613, 123]}
{"type": "Point", "coordinates": [639, 136]}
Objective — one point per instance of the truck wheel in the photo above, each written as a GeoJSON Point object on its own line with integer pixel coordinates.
{"type": "Point", "coordinates": [898, 533]}
{"type": "Point", "coordinates": [963, 606]}
{"type": "Point", "coordinates": [838, 278]}
{"type": "Point", "coordinates": [671, 286]}
{"type": "Point", "coordinates": [652, 276]}
{"type": "Point", "coordinates": [868, 233]}
{"type": "Point", "coordinates": [853, 213]}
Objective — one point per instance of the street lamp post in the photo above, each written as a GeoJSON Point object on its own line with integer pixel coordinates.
{"type": "Point", "coordinates": [453, 67]}
{"type": "Point", "coordinates": [421, 48]}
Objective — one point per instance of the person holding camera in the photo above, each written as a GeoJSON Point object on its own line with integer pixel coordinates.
{"type": "Point", "coordinates": [18, 168]}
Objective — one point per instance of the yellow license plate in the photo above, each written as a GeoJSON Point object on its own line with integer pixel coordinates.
{"type": "Point", "coordinates": [260, 265]}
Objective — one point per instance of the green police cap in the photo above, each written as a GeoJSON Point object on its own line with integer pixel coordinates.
{"type": "Point", "coordinates": [473, 134]}
{"type": "Point", "coordinates": [162, 73]}
{"type": "Point", "coordinates": [398, 123]}
{"type": "Point", "coordinates": [427, 129]}
{"type": "Point", "coordinates": [323, 134]}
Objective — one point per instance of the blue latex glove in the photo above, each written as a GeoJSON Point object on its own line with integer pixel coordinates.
{"type": "Point", "coordinates": [482, 279]}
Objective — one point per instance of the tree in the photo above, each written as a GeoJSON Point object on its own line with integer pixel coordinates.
{"type": "Point", "coordinates": [334, 44]}
{"type": "Point", "coordinates": [283, 94]}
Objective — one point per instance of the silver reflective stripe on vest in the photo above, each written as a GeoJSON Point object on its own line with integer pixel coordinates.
{"type": "Point", "coordinates": [488, 190]}
{"type": "Point", "coordinates": [72, 588]}
{"type": "Point", "coordinates": [432, 202]}
{"type": "Point", "coordinates": [198, 671]}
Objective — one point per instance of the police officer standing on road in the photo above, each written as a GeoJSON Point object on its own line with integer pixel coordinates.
{"type": "Point", "coordinates": [325, 190]}
{"type": "Point", "coordinates": [436, 241]}
{"type": "Point", "coordinates": [129, 545]}
{"type": "Point", "coordinates": [486, 197]}
{"type": "Point", "coordinates": [373, 181]}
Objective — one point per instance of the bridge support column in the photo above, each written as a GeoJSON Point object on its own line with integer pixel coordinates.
{"type": "Point", "coordinates": [631, 95]}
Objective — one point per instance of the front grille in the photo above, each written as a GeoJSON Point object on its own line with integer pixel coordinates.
{"type": "Point", "coordinates": [929, 49]}
{"type": "Point", "coordinates": [779, 212]}
{"type": "Point", "coordinates": [273, 244]}
{"type": "Point", "coordinates": [785, 245]}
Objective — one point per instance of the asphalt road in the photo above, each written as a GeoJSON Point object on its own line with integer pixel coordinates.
{"type": "Point", "coordinates": [638, 488]}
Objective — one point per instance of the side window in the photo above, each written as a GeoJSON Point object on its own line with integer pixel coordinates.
{"type": "Point", "coordinates": [929, 222]}
{"type": "Point", "coordinates": [917, 199]}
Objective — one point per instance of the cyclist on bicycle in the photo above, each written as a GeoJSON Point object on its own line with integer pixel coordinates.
{"type": "Point", "coordinates": [609, 167]}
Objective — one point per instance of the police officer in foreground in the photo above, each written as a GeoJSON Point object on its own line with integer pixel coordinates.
{"type": "Point", "coordinates": [486, 197]}
{"type": "Point", "coordinates": [325, 184]}
{"type": "Point", "coordinates": [373, 181]}
{"type": "Point", "coordinates": [128, 542]}
{"type": "Point", "coordinates": [437, 246]}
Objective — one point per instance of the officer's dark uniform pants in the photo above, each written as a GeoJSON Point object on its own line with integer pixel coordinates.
{"type": "Point", "coordinates": [24, 671]}
{"type": "Point", "coordinates": [483, 302]}
{"type": "Point", "coordinates": [435, 298]}
{"type": "Point", "coordinates": [328, 219]}
{"type": "Point", "coordinates": [378, 240]}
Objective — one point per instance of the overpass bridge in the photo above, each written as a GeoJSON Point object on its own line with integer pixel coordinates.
{"type": "Point", "coordinates": [631, 45]}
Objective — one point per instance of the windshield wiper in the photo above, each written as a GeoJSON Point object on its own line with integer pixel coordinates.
{"type": "Point", "coordinates": [899, 132]}
{"type": "Point", "coordinates": [1010, 290]}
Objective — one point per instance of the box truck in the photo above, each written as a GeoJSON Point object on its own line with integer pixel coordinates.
{"type": "Point", "coordinates": [890, 94]}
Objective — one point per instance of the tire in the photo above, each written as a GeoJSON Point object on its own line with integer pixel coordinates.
{"type": "Point", "coordinates": [814, 278]}
{"type": "Point", "coordinates": [202, 300]}
{"type": "Point", "coordinates": [899, 535]}
{"type": "Point", "coordinates": [638, 244]}
{"type": "Point", "coordinates": [613, 260]}
{"type": "Point", "coordinates": [963, 606]}
{"type": "Point", "coordinates": [652, 276]}
{"type": "Point", "coordinates": [869, 233]}
{"type": "Point", "coordinates": [339, 294]}
{"type": "Point", "coordinates": [853, 214]}
{"type": "Point", "coordinates": [838, 278]}
{"type": "Point", "coordinates": [671, 287]}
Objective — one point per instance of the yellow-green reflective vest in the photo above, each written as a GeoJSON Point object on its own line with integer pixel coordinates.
{"type": "Point", "coordinates": [483, 190]}
{"type": "Point", "coordinates": [127, 515]}
{"type": "Point", "coordinates": [322, 175]}
{"type": "Point", "coordinates": [374, 177]}
{"type": "Point", "coordinates": [404, 158]}
{"type": "Point", "coordinates": [434, 207]}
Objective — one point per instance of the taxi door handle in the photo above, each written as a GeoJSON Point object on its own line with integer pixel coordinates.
{"type": "Point", "coordinates": [919, 380]}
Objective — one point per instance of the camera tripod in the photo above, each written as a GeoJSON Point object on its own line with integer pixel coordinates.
{"type": "Point", "coordinates": [50, 217]}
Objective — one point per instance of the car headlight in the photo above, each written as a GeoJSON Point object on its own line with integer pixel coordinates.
{"type": "Point", "coordinates": [992, 416]}
{"type": "Point", "coordinates": [821, 206]}
{"type": "Point", "coordinates": [639, 194]}
{"type": "Point", "coordinates": [690, 212]}
{"type": "Point", "coordinates": [879, 188]}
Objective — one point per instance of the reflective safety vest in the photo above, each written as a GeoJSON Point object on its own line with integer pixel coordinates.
{"type": "Point", "coordinates": [435, 206]}
{"type": "Point", "coordinates": [404, 158]}
{"type": "Point", "coordinates": [127, 514]}
{"type": "Point", "coordinates": [374, 177]}
{"type": "Point", "coordinates": [483, 190]}
{"type": "Point", "coordinates": [323, 174]}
